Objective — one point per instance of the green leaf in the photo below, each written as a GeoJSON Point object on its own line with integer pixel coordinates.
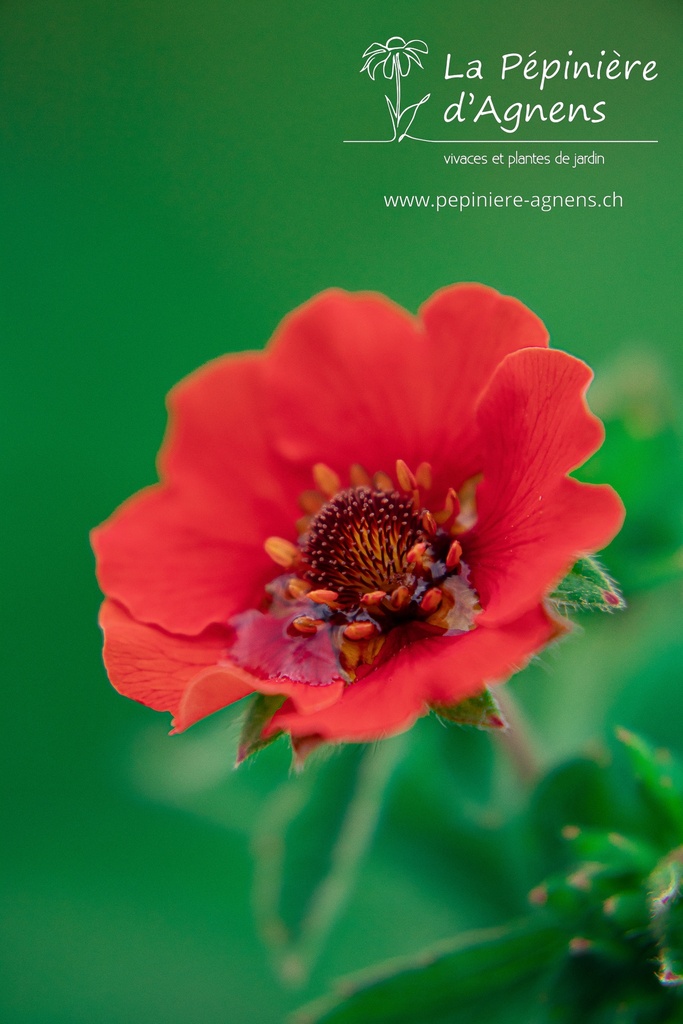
{"type": "Point", "coordinates": [588, 588]}
{"type": "Point", "coordinates": [260, 711]}
{"type": "Point", "coordinates": [661, 783]}
{"type": "Point", "coordinates": [575, 794]}
{"type": "Point", "coordinates": [481, 712]}
{"type": "Point", "coordinates": [309, 843]}
{"type": "Point", "coordinates": [469, 970]}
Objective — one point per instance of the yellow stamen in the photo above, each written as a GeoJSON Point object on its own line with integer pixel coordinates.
{"type": "Point", "coordinates": [326, 480]}
{"type": "Point", "coordinates": [327, 597]}
{"type": "Point", "coordinates": [416, 553]}
{"type": "Point", "coordinates": [454, 554]}
{"type": "Point", "coordinates": [431, 601]}
{"type": "Point", "coordinates": [423, 476]}
{"type": "Point", "coordinates": [302, 525]}
{"type": "Point", "coordinates": [311, 501]}
{"type": "Point", "coordinates": [429, 524]}
{"type": "Point", "coordinates": [283, 552]}
{"type": "Point", "coordinates": [400, 598]}
{"type": "Point", "coordinates": [450, 508]}
{"type": "Point", "coordinates": [383, 482]}
{"type": "Point", "coordinates": [361, 631]}
{"type": "Point", "coordinates": [406, 480]}
{"type": "Point", "coordinates": [305, 625]}
{"type": "Point", "coordinates": [297, 588]}
{"type": "Point", "coordinates": [359, 476]}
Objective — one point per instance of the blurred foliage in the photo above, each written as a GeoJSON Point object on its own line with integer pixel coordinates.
{"type": "Point", "coordinates": [642, 459]}
{"type": "Point", "coordinates": [604, 942]}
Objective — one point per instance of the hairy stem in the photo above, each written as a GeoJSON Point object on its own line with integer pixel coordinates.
{"type": "Point", "coordinates": [517, 741]}
{"type": "Point", "coordinates": [355, 836]}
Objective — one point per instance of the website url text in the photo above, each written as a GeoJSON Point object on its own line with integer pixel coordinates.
{"type": "Point", "coordinates": [491, 200]}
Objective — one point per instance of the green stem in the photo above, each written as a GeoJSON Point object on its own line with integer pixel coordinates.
{"type": "Point", "coordinates": [355, 836]}
{"type": "Point", "coordinates": [517, 740]}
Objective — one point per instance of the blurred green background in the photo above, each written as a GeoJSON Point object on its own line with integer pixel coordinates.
{"type": "Point", "coordinates": [173, 182]}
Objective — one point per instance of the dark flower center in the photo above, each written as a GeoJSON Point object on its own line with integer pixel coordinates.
{"type": "Point", "coordinates": [376, 567]}
{"type": "Point", "coordinates": [359, 542]}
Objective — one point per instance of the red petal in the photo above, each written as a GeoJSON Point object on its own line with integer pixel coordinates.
{"type": "Point", "coordinates": [189, 553]}
{"type": "Point", "coordinates": [441, 670]}
{"type": "Point", "coordinates": [165, 556]}
{"type": "Point", "coordinates": [189, 676]}
{"type": "Point", "coordinates": [354, 378]}
{"type": "Point", "coordinates": [265, 648]}
{"type": "Point", "coordinates": [220, 442]}
{"type": "Point", "coordinates": [534, 521]}
{"type": "Point", "coordinates": [470, 329]}
{"type": "Point", "coordinates": [341, 375]}
{"type": "Point", "coordinates": [158, 669]}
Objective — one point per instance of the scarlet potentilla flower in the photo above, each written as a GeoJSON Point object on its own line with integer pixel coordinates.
{"type": "Point", "coordinates": [365, 520]}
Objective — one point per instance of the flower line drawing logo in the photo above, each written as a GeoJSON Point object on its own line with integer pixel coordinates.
{"type": "Point", "coordinates": [396, 58]}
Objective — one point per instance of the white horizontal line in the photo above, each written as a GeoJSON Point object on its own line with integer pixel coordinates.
{"type": "Point", "coordinates": [520, 142]}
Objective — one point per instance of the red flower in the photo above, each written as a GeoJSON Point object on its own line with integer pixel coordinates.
{"type": "Point", "coordinates": [277, 555]}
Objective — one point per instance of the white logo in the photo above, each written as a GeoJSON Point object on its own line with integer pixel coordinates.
{"type": "Point", "coordinates": [396, 58]}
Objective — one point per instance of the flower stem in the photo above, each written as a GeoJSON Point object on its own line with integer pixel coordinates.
{"type": "Point", "coordinates": [517, 740]}
{"type": "Point", "coordinates": [357, 831]}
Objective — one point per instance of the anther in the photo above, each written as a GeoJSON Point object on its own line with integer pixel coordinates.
{"type": "Point", "coordinates": [305, 625]}
{"type": "Point", "coordinates": [359, 476]}
{"type": "Point", "coordinates": [361, 631]}
{"type": "Point", "coordinates": [311, 501]}
{"type": "Point", "coordinates": [431, 601]}
{"type": "Point", "coordinates": [326, 480]}
{"type": "Point", "coordinates": [383, 482]}
{"type": "Point", "coordinates": [283, 552]}
{"type": "Point", "coordinates": [302, 524]}
{"type": "Point", "coordinates": [327, 597]}
{"type": "Point", "coordinates": [467, 506]}
{"type": "Point", "coordinates": [429, 524]}
{"type": "Point", "coordinates": [423, 476]}
{"type": "Point", "coordinates": [400, 598]}
{"type": "Point", "coordinates": [416, 553]}
{"type": "Point", "coordinates": [373, 598]}
{"type": "Point", "coordinates": [297, 588]}
{"type": "Point", "coordinates": [454, 555]}
{"type": "Point", "coordinates": [406, 480]}
{"type": "Point", "coordinates": [450, 509]}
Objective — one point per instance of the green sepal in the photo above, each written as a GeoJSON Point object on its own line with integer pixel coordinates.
{"type": "Point", "coordinates": [260, 711]}
{"type": "Point", "coordinates": [616, 851]}
{"type": "Point", "coordinates": [479, 712]}
{"type": "Point", "coordinates": [665, 897]}
{"type": "Point", "coordinates": [587, 587]}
